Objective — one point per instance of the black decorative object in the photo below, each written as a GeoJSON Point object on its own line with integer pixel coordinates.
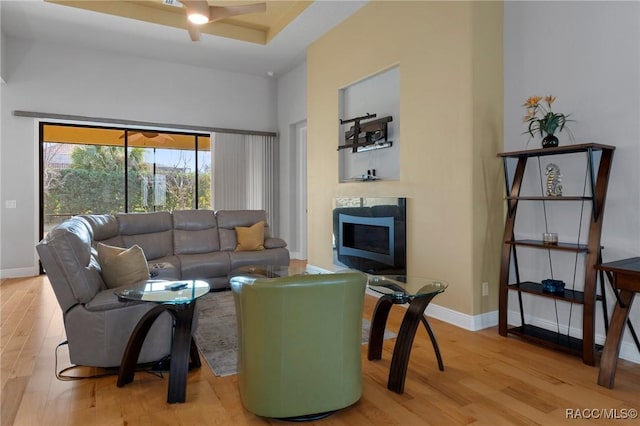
{"type": "Point", "coordinates": [553, 286]}
{"type": "Point", "coordinates": [549, 141]}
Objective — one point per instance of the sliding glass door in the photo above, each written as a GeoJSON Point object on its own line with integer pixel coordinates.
{"type": "Point", "coordinates": [167, 171]}
{"type": "Point", "coordinates": [89, 169]}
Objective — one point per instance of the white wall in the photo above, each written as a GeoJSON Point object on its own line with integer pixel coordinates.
{"type": "Point", "coordinates": [292, 110]}
{"type": "Point", "coordinates": [2, 80]}
{"type": "Point", "coordinates": [586, 54]}
{"type": "Point", "coordinates": [56, 79]}
{"type": "Point", "coordinates": [2, 51]}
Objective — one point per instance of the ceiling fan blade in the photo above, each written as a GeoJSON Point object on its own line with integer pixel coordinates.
{"type": "Point", "coordinates": [194, 31]}
{"type": "Point", "coordinates": [217, 13]}
{"type": "Point", "coordinates": [137, 134]}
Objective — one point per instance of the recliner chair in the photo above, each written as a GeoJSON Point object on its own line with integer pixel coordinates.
{"type": "Point", "coordinates": [299, 343]}
{"type": "Point", "coordinates": [97, 324]}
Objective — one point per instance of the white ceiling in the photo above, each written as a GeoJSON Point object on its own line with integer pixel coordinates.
{"type": "Point", "coordinates": [47, 22]}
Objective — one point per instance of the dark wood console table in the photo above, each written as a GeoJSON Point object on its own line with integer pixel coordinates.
{"type": "Point", "coordinates": [625, 278]}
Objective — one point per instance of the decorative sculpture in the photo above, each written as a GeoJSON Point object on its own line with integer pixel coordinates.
{"type": "Point", "coordinates": [554, 179]}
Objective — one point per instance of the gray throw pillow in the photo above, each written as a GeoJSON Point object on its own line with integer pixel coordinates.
{"type": "Point", "coordinates": [122, 267]}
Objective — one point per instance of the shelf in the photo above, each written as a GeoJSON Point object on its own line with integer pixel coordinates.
{"type": "Point", "coordinates": [598, 163]}
{"type": "Point", "coordinates": [551, 339]}
{"type": "Point", "coordinates": [572, 296]}
{"type": "Point", "coordinates": [565, 149]}
{"type": "Point", "coordinates": [547, 198]}
{"type": "Point", "coordinates": [576, 248]}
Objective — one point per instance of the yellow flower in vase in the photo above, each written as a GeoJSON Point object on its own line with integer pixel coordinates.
{"type": "Point", "coordinates": [543, 120]}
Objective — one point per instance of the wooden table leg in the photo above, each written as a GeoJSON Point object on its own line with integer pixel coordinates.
{"type": "Point", "coordinates": [378, 324]}
{"type": "Point", "coordinates": [434, 342]}
{"type": "Point", "coordinates": [182, 349]}
{"type": "Point", "coordinates": [180, 352]}
{"type": "Point", "coordinates": [194, 356]}
{"type": "Point", "coordinates": [132, 352]}
{"type": "Point", "coordinates": [609, 359]}
{"type": "Point", "coordinates": [402, 349]}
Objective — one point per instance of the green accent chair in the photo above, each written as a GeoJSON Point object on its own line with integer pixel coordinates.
{"type": "Point", "coordinates": [299, 343]}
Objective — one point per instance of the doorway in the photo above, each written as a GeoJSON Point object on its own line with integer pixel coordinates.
{"type": "Point", "coordinates": [300, 190]}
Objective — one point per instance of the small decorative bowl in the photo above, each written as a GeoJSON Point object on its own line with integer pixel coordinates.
{"type": "Point", "coordinates": [553, 286]}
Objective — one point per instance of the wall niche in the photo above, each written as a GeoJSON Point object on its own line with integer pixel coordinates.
{"type": "Point", "coordinates": [379, 95]}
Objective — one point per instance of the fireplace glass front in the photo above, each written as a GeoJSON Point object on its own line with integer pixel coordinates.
{"type": "Point", "coordinates": [370, 234]}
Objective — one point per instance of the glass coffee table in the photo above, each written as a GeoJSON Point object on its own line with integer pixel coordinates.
{"type": "Point", "coordinates": [179, 299]}
{"type": "Point", "coordinates": [401, 289]}
{"type": "Point", "coordinates": [272, 271]}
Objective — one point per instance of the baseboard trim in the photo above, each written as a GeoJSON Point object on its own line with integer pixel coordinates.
{"type": "Point", "coordinates": [468, 322]}
{"type": "Point", "coordinates": [628, 350]}
{"type": "Point", "coordinates": [19, 272]}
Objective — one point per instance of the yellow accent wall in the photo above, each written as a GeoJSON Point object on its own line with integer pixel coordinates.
{"type": "Point", "coordinates": [450, 60]}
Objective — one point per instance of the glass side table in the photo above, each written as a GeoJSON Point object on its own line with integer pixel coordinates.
{"type": "Point", "coordinates": [401, 289]}
{"type": "Point", "coordinates": [179, 299]}
{"type": "Point", "coordinates": [271, 271]}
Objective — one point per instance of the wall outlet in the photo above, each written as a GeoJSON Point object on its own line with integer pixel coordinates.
{"type": "Point", "coordinates": [10, 204]}
{"type": "Point", "coordinates": [485, 288]}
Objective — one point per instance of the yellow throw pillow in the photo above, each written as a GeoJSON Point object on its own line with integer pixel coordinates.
{"type": "Point", "coordinates": [121, 267]}
{"type": "Point", "coordinates": [250, 238]}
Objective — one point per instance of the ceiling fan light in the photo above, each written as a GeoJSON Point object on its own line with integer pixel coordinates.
{"type": "Point", "coordinates": [198, 18]}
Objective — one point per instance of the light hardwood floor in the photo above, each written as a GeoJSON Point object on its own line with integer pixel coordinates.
{"type": "Point", "coordinates": [488, 380]}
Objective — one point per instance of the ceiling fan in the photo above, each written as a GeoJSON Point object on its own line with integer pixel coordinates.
{"type": "Point", "coordinates": [199, 12]}
{"type": "Point", "coordinates": [141, 137]}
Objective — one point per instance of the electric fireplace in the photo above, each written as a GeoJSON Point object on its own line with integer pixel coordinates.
{"type": "Point", "coordinates": [370, 234]}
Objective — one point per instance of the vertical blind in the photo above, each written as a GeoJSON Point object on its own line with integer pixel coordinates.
{"type": "Point", "coordinates": [245, 174]}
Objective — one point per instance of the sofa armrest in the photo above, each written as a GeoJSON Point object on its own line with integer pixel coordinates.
{"type": "Point", "coordinates": [107, 300]}
{"type": "Point", "coordinates": [273, 242]}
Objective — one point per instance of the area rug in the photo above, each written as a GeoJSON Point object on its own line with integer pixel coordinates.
{"type": "Point", "coordinates": [216, 335]}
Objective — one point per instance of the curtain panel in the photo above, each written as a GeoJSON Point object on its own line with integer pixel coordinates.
{"type": "Point", "coordinates": [245, 174]}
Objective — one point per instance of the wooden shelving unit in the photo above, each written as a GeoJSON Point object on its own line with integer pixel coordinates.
{"type": "Point", "coordinates": [591, 251]}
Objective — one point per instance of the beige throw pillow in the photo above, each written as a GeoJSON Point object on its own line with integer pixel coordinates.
{"type": "Point", "coordinates": [121, 267]}
{"type": "Point", "coordinates": [250, 238]}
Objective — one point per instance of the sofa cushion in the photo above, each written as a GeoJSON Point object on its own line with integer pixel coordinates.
{"type": "Point", "coordinates": [195, 232]}
{"type": "Point", "coordinates": [143, 223]}
{"type": "Point", "coordinates": [206, 265]}
{"type": "Point", "coordinates": [151, 231]}
{"type": "Point", "coordinates": [194, 220]}
{"type": "Point", "coordinates": [250, 238]}
{"type": "Point", "coordinates": [228, 240]}
{"type": "Point", "coordinates": [104, 226]}
{"type": "Point", "coordinates": [165, 268]}
{"type": "Point", "coordinates": [229, 219]}
{"type": "Point", "coordinates": [277, 256]}
{"type": "Point", "coordinates": [121, 267]}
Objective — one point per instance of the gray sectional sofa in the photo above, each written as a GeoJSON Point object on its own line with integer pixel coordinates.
{"type": "Point", "coordinates": [189, 244]}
